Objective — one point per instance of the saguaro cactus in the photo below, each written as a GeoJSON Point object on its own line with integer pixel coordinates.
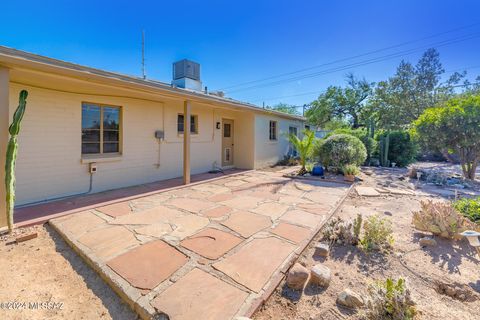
{"type": "Point", "coordinates": [11, 157]}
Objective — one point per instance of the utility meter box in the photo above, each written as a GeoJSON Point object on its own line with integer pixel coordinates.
{"type": "Point", "coordinates": [160, 134]}
{"type": "Point", "coordinates": [92, 168]}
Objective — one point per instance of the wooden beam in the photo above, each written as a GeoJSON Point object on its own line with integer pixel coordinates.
{"type": "Point", "coordinates": [186, 141]}
{"type": "Point", "coordinates": [4, 135]}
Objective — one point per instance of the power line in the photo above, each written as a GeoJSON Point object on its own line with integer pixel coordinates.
{"type": "Point", "coordinates": [362, 63]}
{"type": "Point", "coordinates": [323, 91]}
{"type": "Point", "coordinates": [352, 57]}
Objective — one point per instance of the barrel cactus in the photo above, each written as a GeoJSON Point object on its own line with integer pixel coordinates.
{"type": "Point", "coordinates": [11, 157]}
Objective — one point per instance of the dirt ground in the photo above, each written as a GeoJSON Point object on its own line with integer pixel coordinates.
{"type": "Point", "coordinates": [423, 268]}
{"type": "Point", "coordinates": [46, 271]}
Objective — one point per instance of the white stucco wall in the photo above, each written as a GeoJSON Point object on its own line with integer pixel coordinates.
{"type": "Point", "coordinates": [49, 162]}
{"type": "Point", "coordinates": [269, 152]}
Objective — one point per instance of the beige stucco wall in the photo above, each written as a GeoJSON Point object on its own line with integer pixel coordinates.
{"type": "Point", "coordinates": [4, 123]}
{"type": "Point", "coordinates": [270, 152]}
{"type": "Point", "coordinates": [50, 163]}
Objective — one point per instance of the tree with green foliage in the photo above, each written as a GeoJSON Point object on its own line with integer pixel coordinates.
{"type": "Point", "coordinates": [304, 147]}
{"type": "Point", "coordinates": [341, 104]}
{"type": "Point", "coordinates": [454, 126]}
{"type": "Point", "coordinates": [285, 108]}
{"type": "Point", "coordinates": [401, 99]}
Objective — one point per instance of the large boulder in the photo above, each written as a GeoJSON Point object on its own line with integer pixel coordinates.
{"type": "Point", "coordinates": [322, 249]}
{"type": "Point", "coordinates": [350, 299]}
{"type": "Point", "coordinates": [297, 277]}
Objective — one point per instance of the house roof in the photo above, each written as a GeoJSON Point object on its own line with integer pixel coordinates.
{"type": "Point", "coordinates": [14, 57]}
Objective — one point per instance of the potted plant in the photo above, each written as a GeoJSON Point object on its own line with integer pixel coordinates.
{"type": "Point", "coordinates": [349, 172]}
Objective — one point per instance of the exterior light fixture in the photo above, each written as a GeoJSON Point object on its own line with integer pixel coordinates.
{"type": "Point", "coordinates": [472, 237]}
{"type": "Point", "coordinates": [218, 125]}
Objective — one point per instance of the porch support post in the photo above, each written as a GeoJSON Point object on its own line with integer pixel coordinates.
{"type": "Point", "coordinates": [186, 141]}
{"type": "Point", "coordinates": [4, 123]}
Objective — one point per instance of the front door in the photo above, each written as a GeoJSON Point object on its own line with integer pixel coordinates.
{"type": "Point", "coordinates": [227, 142]}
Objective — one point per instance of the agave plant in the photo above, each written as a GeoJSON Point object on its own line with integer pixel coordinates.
{"type": "Point", "coordinates": [11, 157]}
{"type": "Point", "coordinates": [304, 147]}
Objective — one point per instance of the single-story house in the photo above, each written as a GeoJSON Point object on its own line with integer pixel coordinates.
{"type": "Point", "coordinates": [83, 123]}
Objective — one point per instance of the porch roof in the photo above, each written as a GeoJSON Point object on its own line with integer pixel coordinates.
{"type": "Point", "coordinates": [14, 58]}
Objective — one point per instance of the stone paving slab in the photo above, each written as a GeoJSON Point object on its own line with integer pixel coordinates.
{"type": "Point", "coordinates": [148, 265]}
{"type": "Point", "coordinates": [206, 251]}
{"type": "Point", "coordinates": [291, 232]}
{"type": "Point", "coordinates": [367, 192]}
{"type": "Point", "coordinates": [255, 262]}
{"type": "Point", "coordinates": [246, 223]}
{"type": "Point", "coordinates": [116, 209]}
{"type": "Point", "coordinates": [211, 243]}
{"type": "Point", "coordinates": [199, 295]}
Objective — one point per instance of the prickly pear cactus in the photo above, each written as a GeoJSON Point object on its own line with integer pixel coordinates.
{"type": "Point", "coordinates": [11, 157]}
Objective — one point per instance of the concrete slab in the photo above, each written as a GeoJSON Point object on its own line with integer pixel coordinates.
{"type": "Point", "coordinates": [367, 191]}
{"type": "Point", "coordinates": [148, 265]}
{"type": "Point", "coordinates": [255, 262]}
{"type": "Point", "coordinates": [199, 295]}
{"type": "Point", "coordinates": [206, 224]}
{"type": "Point", "coordinates": [211, 243]}
{"type": "Point", "coordinates": [291, 232]}
{"type": "Point", "coordinates": [246, 224]}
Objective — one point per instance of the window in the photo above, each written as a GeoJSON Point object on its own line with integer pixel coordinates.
{"type": "Point", "coordinates": [273, 130]}
{"type": "Point", "coordinates": [193, 124]}
{"type": "Point", "coordinates": [100, 129]}
{"type": "Point", "coordinates": [307, 127]}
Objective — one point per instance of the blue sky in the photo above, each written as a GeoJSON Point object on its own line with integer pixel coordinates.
{"type": "Point", "coordinates": [242, 41]}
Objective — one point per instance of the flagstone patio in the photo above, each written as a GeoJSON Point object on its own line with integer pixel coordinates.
{"type": "Point", "coordinates": [213, 250]}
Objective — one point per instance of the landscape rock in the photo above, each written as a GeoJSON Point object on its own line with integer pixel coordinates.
{"type": "Point", "coordinates": [297, 276]}
{"type": "Point", "coordinates": [350, 299]}
{"type": "Point", "coordinates": [428, 242]}
{"type": "Point", "coordinates": [322, 249]}
{"type": "Point", "coordinates": [320, 275]}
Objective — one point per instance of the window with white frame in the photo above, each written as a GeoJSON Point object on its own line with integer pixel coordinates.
{"type": "Point", "coordinates": [100, 128]}
{"type": "Point", "coordinates": [273, 130]}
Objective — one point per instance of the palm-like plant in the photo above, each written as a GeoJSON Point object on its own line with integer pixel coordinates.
{"type": "Point", "coordinates": [304, 147]}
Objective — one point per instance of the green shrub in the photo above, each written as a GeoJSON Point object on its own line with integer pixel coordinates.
{"type": "Point", "coordinates": [402, 149]}
{"type": "Point", "coordinates": [362, 134]}
{"type": "Point", "coordinates": [390, 299]}
{"type": "Point", "coordinates": [341, 149]}
{"type": "Point", "coordinates": [469, 208]}
{"type": "Point", "coordinates": [377, 233]}
{"type": "Point", "coordinates": [350, 169]}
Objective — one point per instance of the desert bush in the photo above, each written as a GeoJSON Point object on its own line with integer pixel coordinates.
{"type": "Point", "coordinates": [402, 149]}
{"type": "Point", "coordinates": [362, 134]}
{"type": "Point", "coordinates": [350, 169]}
{"type": "Point", "coordinates": [469, 208]}
{"type": "Point", "coordinates": [341, 149]}
{"type": "Point", "coordinates": [441, 219]}
{"type": "Point", "coordinates": [377, 233]}
{"type": "Point", "coordinates": [390, 300]}
{"type": "Point", "coordinates": [339, 231]}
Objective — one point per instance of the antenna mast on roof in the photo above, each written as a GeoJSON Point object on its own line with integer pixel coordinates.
{"type": "Point", "coordinates": [143, 55]}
